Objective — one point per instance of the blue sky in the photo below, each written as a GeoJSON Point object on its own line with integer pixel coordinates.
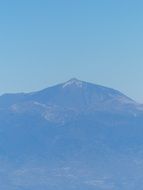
{"type": "Point", "coordinates": [44, 42]}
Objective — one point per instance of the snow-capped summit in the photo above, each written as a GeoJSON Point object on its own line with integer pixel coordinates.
{"type": "Point", "coordinates": [73, 82]}
{"type": "Point", "coordinates": [72, 96]}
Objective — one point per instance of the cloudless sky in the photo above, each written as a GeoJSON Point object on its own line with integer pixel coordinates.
{"type": "Point", "coordinates": [45, 42]}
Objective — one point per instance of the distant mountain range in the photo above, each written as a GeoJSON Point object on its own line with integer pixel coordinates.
{"type": "Point", "coordinates": [72, 136]}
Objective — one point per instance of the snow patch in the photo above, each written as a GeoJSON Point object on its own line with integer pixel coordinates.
{"type": "Point", "coordinates": [74, 82]}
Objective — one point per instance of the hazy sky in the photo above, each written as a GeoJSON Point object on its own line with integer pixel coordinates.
{"type": "Point", "coordinates": [44, 42]}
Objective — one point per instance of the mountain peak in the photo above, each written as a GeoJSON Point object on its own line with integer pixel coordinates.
{"type": "Point", "coordinates": [73, 82]}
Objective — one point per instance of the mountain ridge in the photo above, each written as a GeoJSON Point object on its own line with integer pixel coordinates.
{"type": "Point", "coordinates": [73, 97]}
{"type": "Point", "coordinates": [70, 83]}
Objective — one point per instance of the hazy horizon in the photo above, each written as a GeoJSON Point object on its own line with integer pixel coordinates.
{"type": "Point", "coordinates": [48, 42]}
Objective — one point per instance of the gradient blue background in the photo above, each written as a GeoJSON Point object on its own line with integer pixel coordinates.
{"type": "Point", "coordinates": [44, 42]}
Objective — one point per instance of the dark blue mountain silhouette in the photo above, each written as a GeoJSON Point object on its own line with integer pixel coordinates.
{"type": "Point", "coordinates": [75, 135]}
